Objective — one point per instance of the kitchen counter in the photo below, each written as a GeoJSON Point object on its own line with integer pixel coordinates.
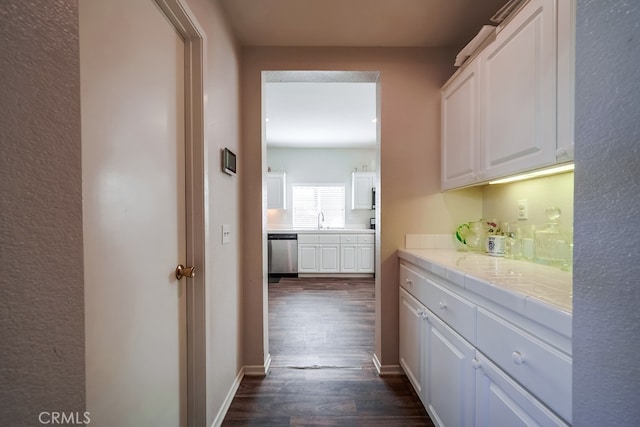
{"type": "Point", "coordinates": [537, 292]}
{"type": "Point", "coordinates": [322, 231]}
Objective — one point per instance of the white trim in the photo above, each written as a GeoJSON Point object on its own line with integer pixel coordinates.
{"type": "Point", "coordinates": [226, 404]}
{"type": "Point", "coordinates": [258, 370]}
{"type": "Point", "coordinates": [386, 369]}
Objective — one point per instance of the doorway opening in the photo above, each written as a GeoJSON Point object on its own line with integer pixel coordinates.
{"type": "Point", "coordinates": [320, 134]}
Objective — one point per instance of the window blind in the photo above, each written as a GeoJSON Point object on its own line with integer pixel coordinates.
{"type": "Point", "coordinates": [309, 200]}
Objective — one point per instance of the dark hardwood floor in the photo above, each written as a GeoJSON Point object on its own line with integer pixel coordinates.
{"type": "Point", "coordinates": [321, 335]}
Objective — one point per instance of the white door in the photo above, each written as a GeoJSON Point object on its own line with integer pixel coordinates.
{"type": "Point", "coordinates": [412, 342]}
{"type": "Point", "coordinates": [460, 128]}
{"type": "Point", "coordinates": [132, 90]}
{"type": "Point", "coordinates": [519, 102]}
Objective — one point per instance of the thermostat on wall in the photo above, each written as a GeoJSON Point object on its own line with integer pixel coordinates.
{"type": "Point", "coordinates": [228, 162]}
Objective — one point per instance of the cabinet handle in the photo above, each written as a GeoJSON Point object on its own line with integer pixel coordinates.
{"type": "Point", "coordinates": [517, 358]}
{"type": "Point", "coordinates": [408, 282]}
{"type": "Point", "coordinates": [475, 363]}
{"type": "Point", "coordinates": [443, 305]}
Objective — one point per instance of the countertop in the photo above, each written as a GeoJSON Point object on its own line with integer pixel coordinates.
{"type": "Point", "coordinates": [322, 230]}
{"type": "Point", "coordinates": [541, 293]}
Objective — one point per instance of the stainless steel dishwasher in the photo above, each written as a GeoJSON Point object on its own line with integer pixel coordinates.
{"type": "Point", "coordinates": [283, 254]}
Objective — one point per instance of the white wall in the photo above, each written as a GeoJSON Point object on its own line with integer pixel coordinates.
{"type": "Point", "coordinates": [222, 263]}
{"type": "Point", "coordinates": [320, 166]}
{"type": "Point", "coordinates": [606, 295]}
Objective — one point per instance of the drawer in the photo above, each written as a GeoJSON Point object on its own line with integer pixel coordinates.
{"type": "Point", "coordinates": [366, 238]}
{"type": "Point", "coordinates": [329, 238]}
{"type": "Point", "coordinates": [307, 238]}
{"type": "Point", "coordinates": [349, 238]}
{"type": "Point", "coordinates": [454, 310]}
{"type": "Point", "coordinates": [538, 367]}
{"type": "Point", "coordinates": [413, 282]}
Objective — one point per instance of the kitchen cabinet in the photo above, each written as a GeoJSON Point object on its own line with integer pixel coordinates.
{"type": "Point", "coordinates": [438, 362]}
{"type": "Point", "coordinates": [336, 253]}
{"type": "Point", "coordinates": [450, 375]}
{"type": "Point", "coordinates": [308, 253]}
{"type": "Point", "coordinates": [318, 253]}
{"type": "Point", "coordinates": [474, 363]}
{"type": "Point", "coordinates": [500, 401]}
{"type": "Point", "coordinates": [510, 108]}
{"type": "Point", "coordinates": [276, 190]}
{"type": "Point", "coordinates": [329, 253]}
{"type": "Point", "coordinates": [362, 184]}
{"type": "Point", "coordinates": [519, 73]}
{"type": "Point", "coordinates": [460, 128]}
{"type": "Point", "coordinates": [357, 253]}
{"type": "Point", "coordinates": [413, 342]}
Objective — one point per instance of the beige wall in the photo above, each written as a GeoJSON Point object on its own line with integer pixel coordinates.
{"type": "Point", "coordinates": [41, 297]}
{"type": "Point", "coordinates": [222, 264]}
{"type": "Point", "coordinates": [410, 81]}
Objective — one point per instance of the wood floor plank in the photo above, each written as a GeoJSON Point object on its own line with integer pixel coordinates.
{"type": "Point", "coordinates": [321, 340]}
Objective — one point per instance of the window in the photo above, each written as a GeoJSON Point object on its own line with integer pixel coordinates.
{"type": "Point", "coordinates": [310, 200]}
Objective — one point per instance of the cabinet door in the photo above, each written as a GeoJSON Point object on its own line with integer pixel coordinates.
{"type": "Point", "coordinates": [451, 377]}
{"type": "Point", "coordinates": [329, 258]}
{"type": "Point", "coordinates": [276, 190]}
{"type": "Point", "coordinates": [366, 258]}
{"type": "Point", "coordinates": [500, 401]}
{"type": "Point", "coordinates": [412, 341]}
{"type": "Point", "coordinates": [361, 185]}
{"type": "Point", "coordinates": [348, 258]}
{"type": "Point", "coordinates": [307, 258]}
{"type": "Point", "coordinates": [566, 79]}
{"type": "Point", "coordinates": [519, 92]}
{"type": "Point", "coordinates": [460, 118]}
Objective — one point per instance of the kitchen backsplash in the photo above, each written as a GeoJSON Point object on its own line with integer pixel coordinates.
{"type": "Point", "coordinates": [501, 201]}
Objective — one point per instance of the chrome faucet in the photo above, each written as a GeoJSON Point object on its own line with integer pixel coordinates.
{"type": "Point", "coordinates": [320, 221]}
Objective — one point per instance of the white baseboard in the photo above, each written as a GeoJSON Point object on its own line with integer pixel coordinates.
{"type": "Point", "coordinates": [386, 369]}
{"type": "Point", "coordinates": [217, 421]}
{"type": "Point", "coordinates": [258, 370]}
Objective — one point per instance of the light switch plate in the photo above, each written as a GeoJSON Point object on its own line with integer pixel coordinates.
{"type": "Point", "coordinates": [226, 234]}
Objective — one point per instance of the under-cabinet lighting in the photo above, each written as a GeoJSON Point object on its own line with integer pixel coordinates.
{"type": "Point", "coordinates": [535, 174]}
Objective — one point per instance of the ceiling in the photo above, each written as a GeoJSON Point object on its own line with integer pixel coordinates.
{"type": "Point", "coordinates": [304, 110]}
{"type": "Point", "coordinates": [370, 23]}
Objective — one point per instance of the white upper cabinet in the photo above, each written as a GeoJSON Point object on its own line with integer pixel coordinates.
{"type": "Point", "coordinates": [519, 73]}
{"type": "Point", "coordinates": [460, 131]}
{"type": "Point", "coordinates": [566, 79]}
{"type": "Point", "coordinates": [276, 190]}
{"type": "Point", "coordinates": [362, 184]}
{"type": "Point", "coordinates": [510, 109]}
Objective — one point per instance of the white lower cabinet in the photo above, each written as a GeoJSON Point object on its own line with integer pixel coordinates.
{"type": "Point", "coordinates": [472, 367]}
{"type": "Point", "coordinates": [438, 362]}
{"type": "Point", "coordinates": [329, 257]}
{"type": "Point", "coordinates": [307, 257]}
{"type": "Point", "coordinates": [500, 401]}
{"type": "Point", "coordinates": [451, 378]}
{"type": "Point", "coordinates": [336, 253]}
{"type": "Point", "coordinates": [413, 338]}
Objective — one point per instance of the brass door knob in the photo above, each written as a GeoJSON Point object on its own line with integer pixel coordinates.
{"type": "Point", "coordinates": [182, 271]}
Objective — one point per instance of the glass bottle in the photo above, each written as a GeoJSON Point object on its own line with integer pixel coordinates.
{"type": "Point", "coordinates": [475, 236]}
{"type": "Point", "coordinates": [548, 238]}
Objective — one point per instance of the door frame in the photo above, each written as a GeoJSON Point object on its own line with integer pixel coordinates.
{"type": "Point", "coordinates": [181, 17]}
